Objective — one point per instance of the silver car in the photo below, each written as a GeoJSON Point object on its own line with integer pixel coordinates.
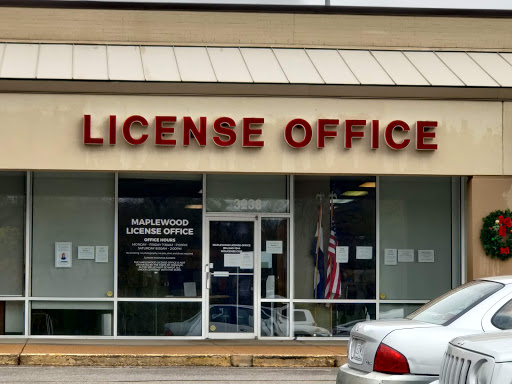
{"type": "Point", "coordinates": [410, 350]}
{"type": "Point", "coordinates": [484, 358]}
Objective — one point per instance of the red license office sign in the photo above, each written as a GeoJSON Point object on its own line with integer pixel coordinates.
{"type": "Point", "coordinates": [249, 132]}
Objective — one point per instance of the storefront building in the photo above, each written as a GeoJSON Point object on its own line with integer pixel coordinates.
{"type": "Point", "coordinates": [161, 183]}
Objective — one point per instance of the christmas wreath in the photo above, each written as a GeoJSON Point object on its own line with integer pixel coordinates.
{"type": "Point", "coordinates": [496, 234]}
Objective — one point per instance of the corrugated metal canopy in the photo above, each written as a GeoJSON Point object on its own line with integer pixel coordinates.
{"type": "Point", "coordinates": [255, 65]}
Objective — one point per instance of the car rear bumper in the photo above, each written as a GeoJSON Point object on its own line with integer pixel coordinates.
{"type": "Point", "coordinates": [347, 375]}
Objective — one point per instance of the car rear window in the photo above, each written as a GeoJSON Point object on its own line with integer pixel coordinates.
{"type": "Point", "coordinates": [503, 318]}
{"type": "Point", "coordinates": [300, 316]}
{"type": "Point", "coordinates": [447, 308]}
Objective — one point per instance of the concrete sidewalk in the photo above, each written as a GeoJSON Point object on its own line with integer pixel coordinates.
{"type": "Point", "coordinates": [219, 353]}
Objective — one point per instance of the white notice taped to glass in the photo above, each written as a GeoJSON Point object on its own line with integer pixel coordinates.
{"type": "Point", "coordinates": [342, 254]}
{"type": "Point", "coordinates": [390, 256]}
{"type": "Point", "coordinates": [190, 289]}
{"type": "Point", "coordinates": [266, 260]}
{"type": "Point", "coordinates": [426, 256]}
{"type": "Point", "coordinates": [364, 253]}
{"type": "Point", "coordinates": [271, 287]}
{"type": "Point", "coordinates": [102, 253]}
{"type": "Point", "coordinates": [247, 260]}
{"type": "Point", "coordinates": [63, 255]}
{"type": "Point", "coordinates": [232, 260]}
{"type": "Point", "coordinates": [86, 252]}
{"type": "Point", "coordinates": [275, 246]}
{"type": "Point", "coordinates": [406, 255]}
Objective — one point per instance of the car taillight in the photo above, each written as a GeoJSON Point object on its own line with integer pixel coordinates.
{"type": "Point", "coordinates": [388, 360]}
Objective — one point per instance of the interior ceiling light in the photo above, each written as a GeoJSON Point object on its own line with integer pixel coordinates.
{"type": "Point", "coordinates": [193, 206]}
{"type": "Point", "coordinates": [342, 201]}
{"type": "Point", "coordinates": [368, 184]}
{"type": "Point", "coordinates": [354, 193]}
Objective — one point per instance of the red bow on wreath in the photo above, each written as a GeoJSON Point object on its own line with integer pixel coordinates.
{"type": "Point", "coordinates": [504, 224]}
{"type": "Point", "coordinates": [505, 251]}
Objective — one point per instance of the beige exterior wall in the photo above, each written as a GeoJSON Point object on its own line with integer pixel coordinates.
{"type": "Point", "coordinates": [507, 138]}
{"type": "Point", "coordinates": [253, 29]}
{"type": "Point", "coordinates": [45, 132]}
{"type": "Point", "coordinates": [486, 194]}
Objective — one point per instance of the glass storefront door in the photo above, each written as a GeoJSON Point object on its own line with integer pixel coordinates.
{"type": "Point", "coordinates": [230, 278]}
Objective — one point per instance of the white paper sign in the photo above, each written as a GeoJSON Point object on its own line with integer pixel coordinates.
{"type": "Point", "coordinates": [406, 255]}
{"type": "Point", "coordinates": [390, 256]}
{"type": "Point", "coordinates": [364, 253]}
{"type": "Point", "coordinates": [342, 254]}
{"type": "Point", "coordinates": [63, 255]}
{"type": "Point", "coordinates": [86, 252]}
{"type": "Point", "coordinates": [266, 260]}
{"type": "Point", "coordinates": [270, 286]}
{"type": "Point", "coordinates": [275, 246]}
{"type": "Point", "coordinates": [102, 253]}
{"type": "Point", "coordinates": [246, 261]}
{"type": "Point", "coordinates": [189, 289]}
{"type": "Point", "coordinates": [426, 256]}
{"type": "Point", "coordinates": [231, 260]}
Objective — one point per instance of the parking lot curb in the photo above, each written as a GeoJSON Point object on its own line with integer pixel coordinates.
{"type": "Point", "coordinates": [298, 361]}
{"type": "Point", "coordinates": [180, 353]}
{"type": "Point", "coordinates": [131, 360]}
{"type": "Point", "coordinates": [9, 359]}
{"type": "Point", "coordinates": [104, 360]}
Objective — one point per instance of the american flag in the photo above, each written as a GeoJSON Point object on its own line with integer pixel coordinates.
{"type": "Point", "coordinates": [333, 284]}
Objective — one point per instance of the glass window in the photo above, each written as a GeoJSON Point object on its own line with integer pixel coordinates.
{"type": "Point", "coordinates": [12, 317]}
{"type": "Point", "coordinates": [79, 318]}
{"type": "Point", "coordinates": [275, 320]}
{"type": "Point", "coordinates": [247, 193]}
{"type": "Point", "coordinates": [319, 320]}
{"type": "Point", "coordinates": [346, 207]}
{"type": "Point", "coordinates": [503, 318]}
{"type": "Point", "coordinates": [416, 232]}
{"type": "Point", "coordinates": [455, 303]}
{"type": "Point", "coordinates": [396, 311]}
{"type": "Point", "coordinates": [12, 233]}
{"type": "Point", "coordinates": [274, 258]}
{"type": "Point", "coordinates": [72, 211]}
{"type": "Point", "coordinates": [160, 236]}
{"type": "Point", "coordinates": [159, 319]}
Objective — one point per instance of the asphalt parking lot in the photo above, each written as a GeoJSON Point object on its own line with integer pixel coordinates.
{"type": "Point", "coordinates": [175, 375]}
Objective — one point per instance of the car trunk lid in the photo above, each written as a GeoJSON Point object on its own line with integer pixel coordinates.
{"type": "Point", "coordinates": [366, 337]}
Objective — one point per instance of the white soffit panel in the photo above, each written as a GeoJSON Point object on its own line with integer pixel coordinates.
{"type": "Point", "coordinates": [124, 63]}
{"type": "Point", "coordinates": [297, 66]}
{"type": "Point", "coordinates": [497, 67]}
{"type": "Point", "coordinates": [263, 65]}
{"type": "Point", "coordinates": [507, 56]}
{"type": "Point", "coordinates": [55, 61]}
{"type": "Point", "coordinates": [331, 66]}
{"type": "Point", "coordinates": [20, 61]}
{"type": "Point", "coordinates": [399, 68]}
{"type": "Point", "coordinates": [159, 64]}
{"type": "Point", "coordinates": [2, 49]}
{"type": "Point", "coordinates": [434, 70]}
{"type": "Point", "coordinates": [366, 68]}
{"type": "Point", "coordinates": [194, 64]}
{"type": "Point", "coordinates": [466, 69]}
{"type": "Point", "coordinates": [229, 65]}
{"type": "Point", "coordinates": [90, 62]}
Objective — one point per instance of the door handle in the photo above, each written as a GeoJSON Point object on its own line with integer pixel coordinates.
{"type": "Point", "coordinates": [208, 275]}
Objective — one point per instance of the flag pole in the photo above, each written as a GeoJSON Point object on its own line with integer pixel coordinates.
{"type": "Point", "coordinates": [318, 226]}
{"type": "Point", "coordinates": [331, 200]}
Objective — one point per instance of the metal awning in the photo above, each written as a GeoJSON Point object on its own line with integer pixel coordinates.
{"type": "Point", "coordinates": [255, 65]}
